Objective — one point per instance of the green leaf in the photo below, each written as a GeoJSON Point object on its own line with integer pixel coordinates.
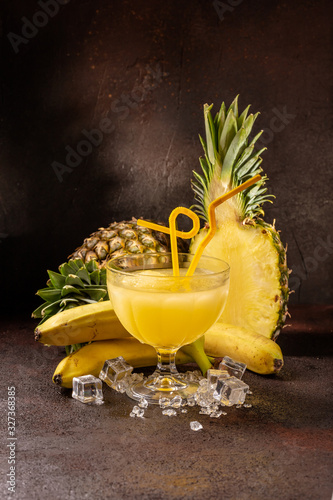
{"type": "Point", "coordinates": [244, 157]}
{"type": "Point", "coordinates": [210, 134]}
{"type": "Point", "coordinates": [203, 144]}
{"type": "Point", "coordinates": [254, 140]}
{"type": "Point", "coordinates": [84, 275]}
{"type": "Point", "coordinates": [49, 294]}
{"type": "Point", "coordinates": [97, 294]}
{"type": "Point", "coordinates": [206, 168]}
{"type": "Point", "coordinates": [69, 289]}
{"type": "Point", "coordinates": [91, 266]}
{"type": "Point", "coordinates": [69, 300]}
{"type": "Point", "coordinates": [243, 116]}
{"type": "Point", "coordinates": [37, 313]}
{"type": "Point", "coordinates": [220, 118]}
{"type": "Point", "coordinates": [65, 269]}
{"type": "Point", "coordinates": [94, 277]}
{"type": "Point", "coordinates": [222, 115]}
{"type": "Point", "coordinates": [57, 280]}
{"type": "Point", "coordinates": [228, 133]}
{"type": "Point", "coordinates": [103, 280]}
{"type": "Point", "coordinates": [234, 106]}
{"type": "Point", "coordinates": [248, 167]}
{"type": "Point", "coordinates": [84, 300]}
{"type": "Point", "coordinates": [201, 181]}
{"type": "Point", "coordinates": [74, 280]}
{"type": "Point", "coordinates": [235, 149]}
{"type": "Point", "coordinates": [200, 211]}
{"type": "Point", "coordinates": [51, 309]}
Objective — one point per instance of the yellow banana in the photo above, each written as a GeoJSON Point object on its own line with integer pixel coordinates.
{"type": "Point", "coordinates": [89, 359]}
{"type": "Point", "coordinates": [86, 323]}
{"type": "Point", "coordinates": [260, 354]}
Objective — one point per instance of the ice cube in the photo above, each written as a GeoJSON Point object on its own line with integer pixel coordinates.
{"type": "Point", "coordinates": [205, 411]}
{"type": "Point", "coordinates": [191, 401]}
{"type": "Point", "coordinates": [164, 402]}
{"type": "Point", "coordinates": [87, 389]}
{"type": "Point", "coordinates": [204, 395]}
{"type": "Point", "coordinates": [235, 368]}
{"type": "Point", "coordinates": [122, 385]}
{"type": "Point", "coordinates": [176, 402]}
{"type": "Point", "coordinates": [212, 376]}
{"type": "Point", "coordinates": [190, 376]}
{"type": "Point", "coordinates": [170, 412]}
{"type": "Point", "coordinates": [137, 412]}
{"type": "Point", "coordinates": [193, 376]}
{"type": "Point", "coordinates": [195, 425]}
{"type": "Point", "coordinates": [115, 370]}
{"type": "Point", "coordinates": [216, 414]}
{"type": "Point", "coordinates": [231, 391]}
{"type": "Point", "coordinates": [184, 410]}
{"type": "Point", "coordinates": [198, 374]}
{"type": "Point", "coordinates": [143, 403]}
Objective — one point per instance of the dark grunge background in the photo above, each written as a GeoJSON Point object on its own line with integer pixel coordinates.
{"type": "Point", "coordinates": [138, 73]}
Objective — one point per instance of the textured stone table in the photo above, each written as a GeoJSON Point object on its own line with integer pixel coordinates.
{"type": "Point", "coordinates": [279, 448]}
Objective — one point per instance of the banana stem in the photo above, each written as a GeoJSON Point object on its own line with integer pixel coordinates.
{"type": "Point", "coordinates": [197, 353]}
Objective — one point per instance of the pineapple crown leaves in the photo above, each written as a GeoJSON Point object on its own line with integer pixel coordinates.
{"type": "Point", "coordinates": [230, 159]}
{"type": "Point", "coordinates": [76, 284]}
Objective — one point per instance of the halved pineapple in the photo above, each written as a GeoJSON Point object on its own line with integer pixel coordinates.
{"type": "Point", "coordinates": [259, 291]}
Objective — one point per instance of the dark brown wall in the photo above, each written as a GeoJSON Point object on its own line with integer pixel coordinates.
{"type": "Point", "coordinates": [148, 67]}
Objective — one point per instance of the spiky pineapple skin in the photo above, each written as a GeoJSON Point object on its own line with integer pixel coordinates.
{"type": "Point", "coordinates": [122, 238]}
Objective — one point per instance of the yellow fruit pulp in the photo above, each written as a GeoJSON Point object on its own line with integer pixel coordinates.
{"type": "Point", "coordinates": [254, 294]}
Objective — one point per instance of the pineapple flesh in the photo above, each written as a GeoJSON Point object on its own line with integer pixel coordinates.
{"type": "Point", "coordinates": [258, 291]}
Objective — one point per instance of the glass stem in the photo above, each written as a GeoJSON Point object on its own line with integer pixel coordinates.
{"type": "Point", "coordinates": [166, 363]}
{"type": "Point", "coordinates": [166, 376]}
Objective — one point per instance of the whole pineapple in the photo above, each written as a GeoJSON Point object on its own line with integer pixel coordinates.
{"type": "Point", "coordinates": [82, 280]}
{"type": "Point", "coordinates": [259, 291]}
{"type": "Point", "coordinates": [121, 238]}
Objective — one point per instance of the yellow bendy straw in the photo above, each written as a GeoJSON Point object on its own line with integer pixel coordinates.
{"type": "Point", "coordinates": [196, 226]}
{"type": "Point", "coordinates": [212, 220]}
{"type": "Point", "coordinates": [174, 232]}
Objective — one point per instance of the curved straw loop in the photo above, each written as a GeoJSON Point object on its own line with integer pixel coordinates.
{"type": "Point", "coordinates": [174, 232]}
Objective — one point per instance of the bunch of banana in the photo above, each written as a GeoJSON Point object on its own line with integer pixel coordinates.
{"type": "Point", "coordinates": [98, 324]}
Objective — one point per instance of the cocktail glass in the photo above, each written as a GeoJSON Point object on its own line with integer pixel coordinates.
{"type": "Point", "coordinates": [166, 311]}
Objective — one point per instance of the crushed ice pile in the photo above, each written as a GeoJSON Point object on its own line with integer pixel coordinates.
{"type": "Point", "coordinates": [221, 388]}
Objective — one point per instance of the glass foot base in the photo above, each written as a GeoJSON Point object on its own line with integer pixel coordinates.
{"type": "Point", "coordinates": [145, 389]}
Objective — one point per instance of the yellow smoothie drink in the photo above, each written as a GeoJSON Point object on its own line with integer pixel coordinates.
{"type": "Point", "coordinates": [168, 311]}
